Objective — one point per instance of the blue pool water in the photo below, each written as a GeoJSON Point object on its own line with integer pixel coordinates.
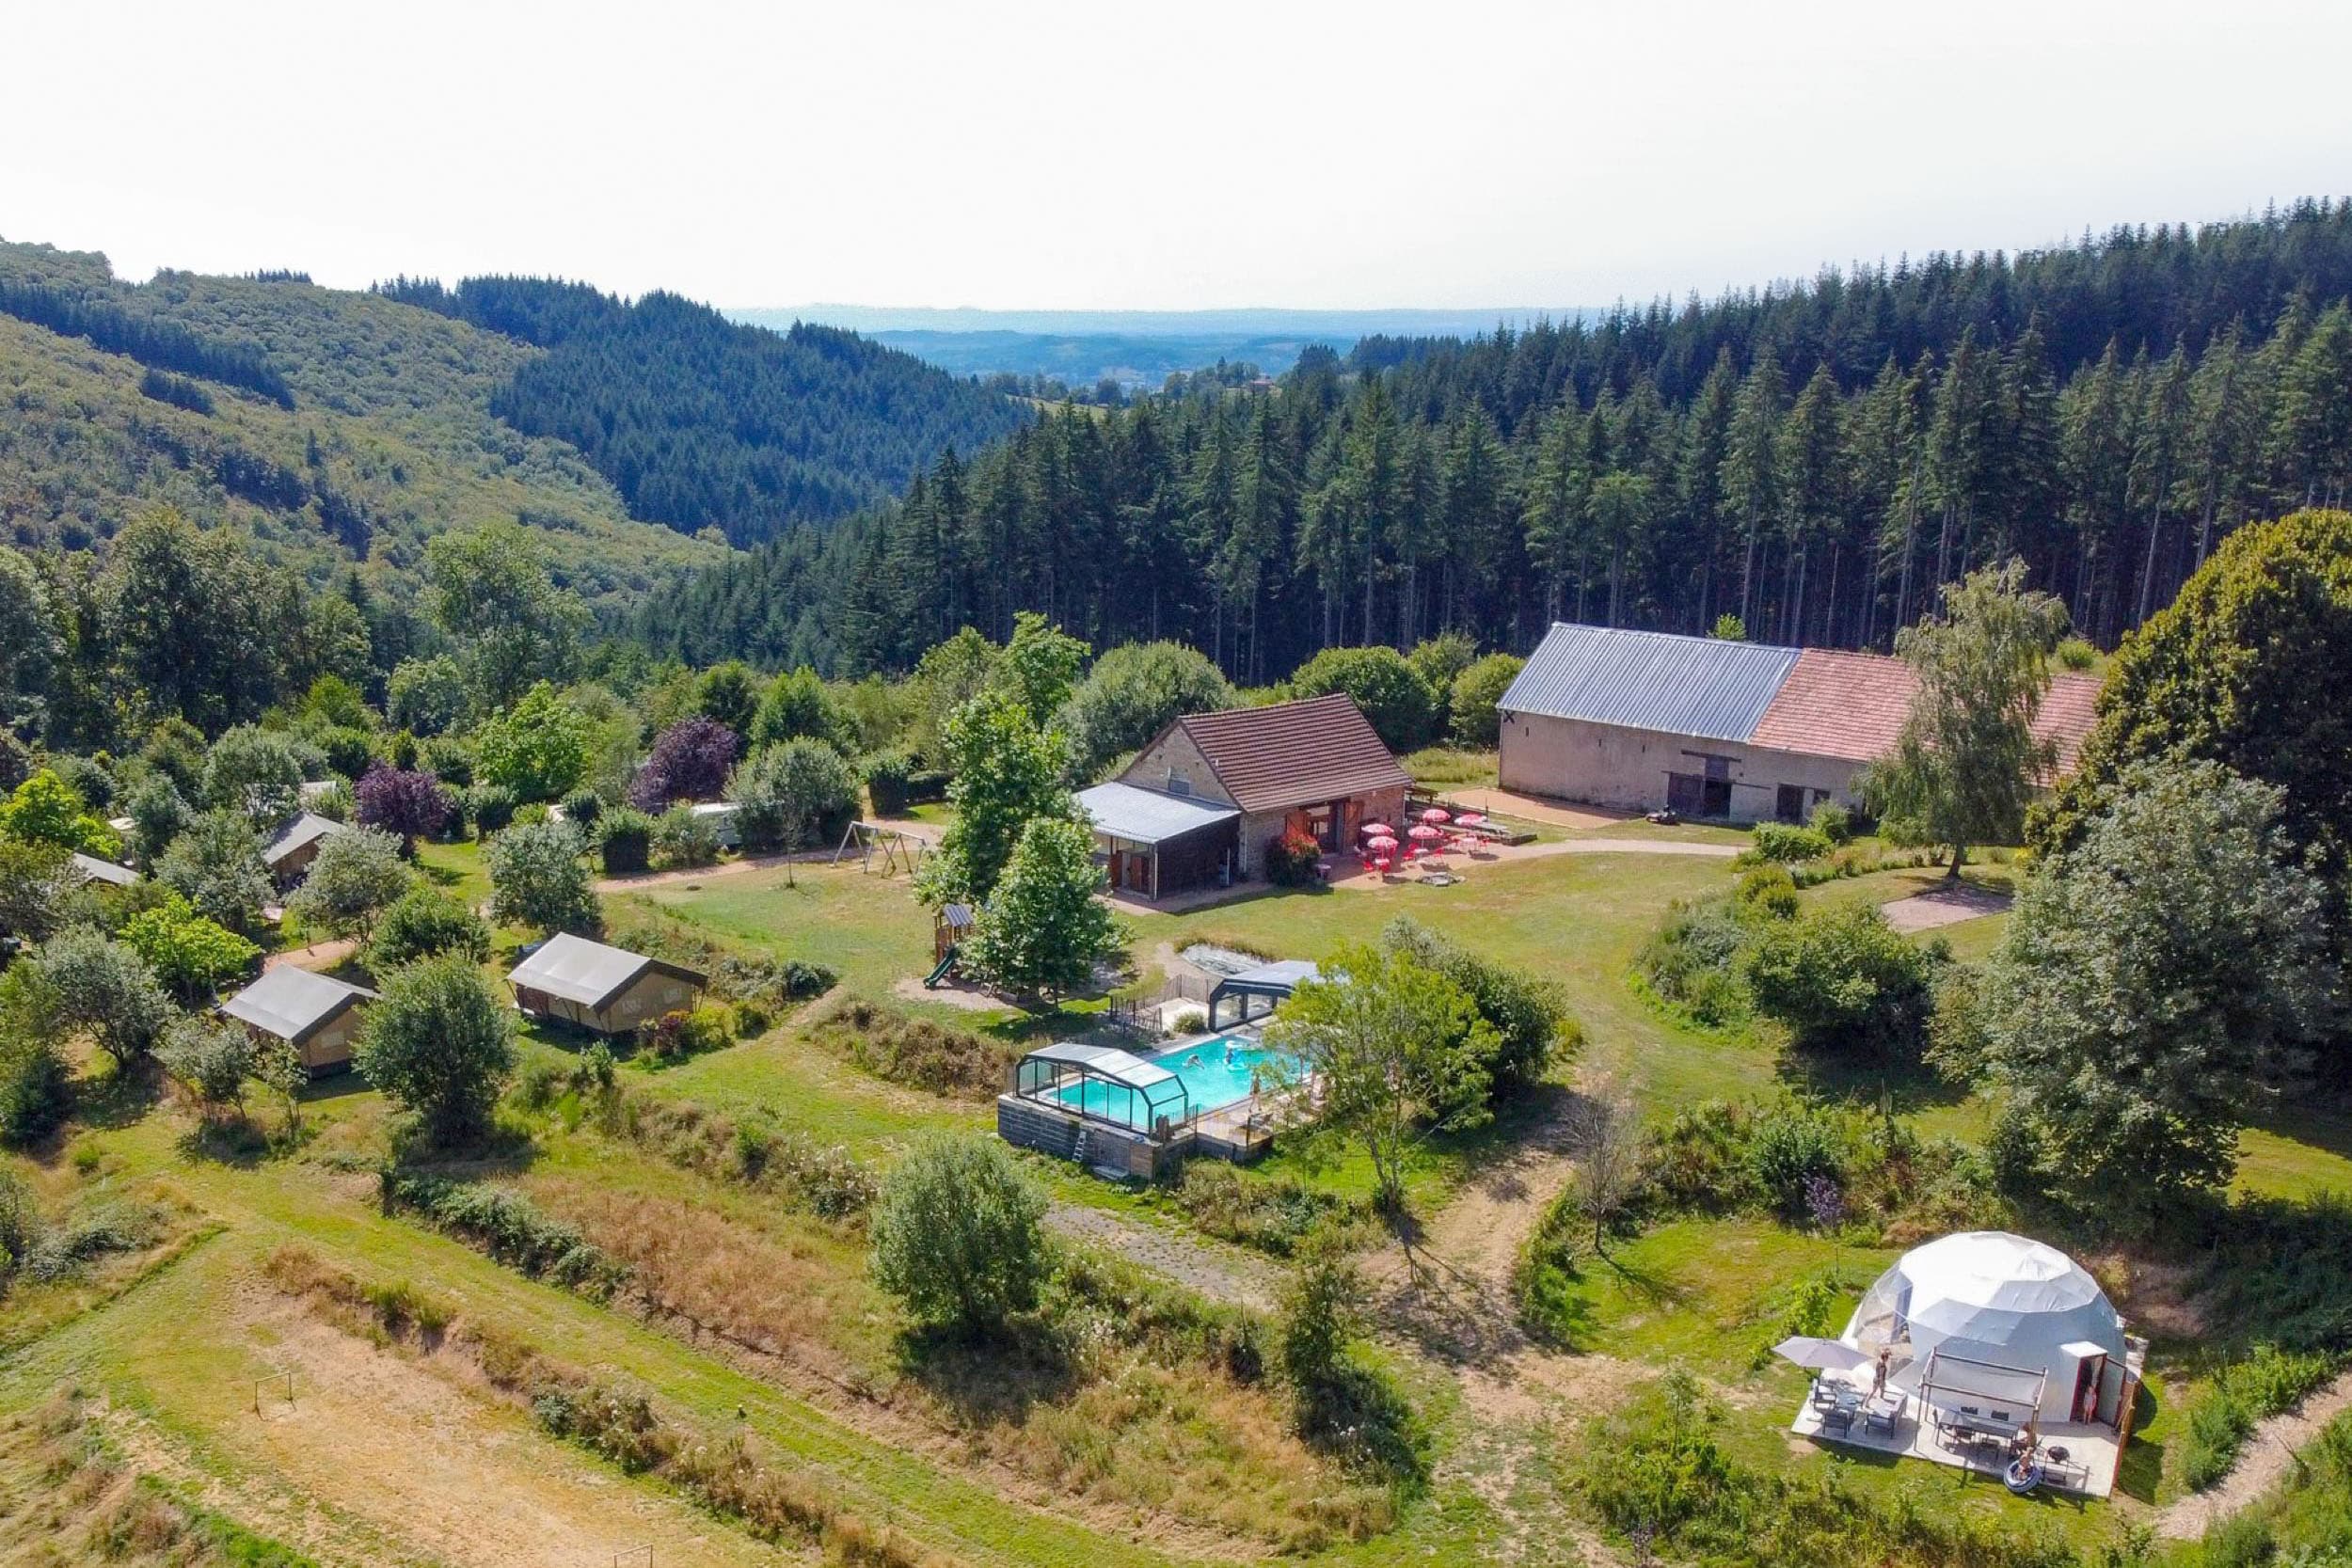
{"type": "Point", "coordinates": [1207, 1075]}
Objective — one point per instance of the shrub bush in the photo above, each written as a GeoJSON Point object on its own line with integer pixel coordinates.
{"type": "Point", "coordinates": [920, 1053]}
{"type": "Point", "coordinates": [2075, 654]}
{"type": "Point", "coordinates": [886, 775]}
{"type": "Point", "coordinates": [1273, 1213]}
{"type": "Point", "coordinates": [1834, 822]}
{"type": "Point", "coordinates": [510, 1228]}
{"type": "Point", "coordinates": [677, 1036]}
{"type": "Point", "coordinates": [422, 923]}
{"type": "Point", "coordinates": [1692, 962]}
{"type": "Point", "coordinates": [683, 838]}
{"type": "Point", "coordinates": [1765, 891]}
{"type": "Point", "coordinates": [490, 807]}
{"type": "Point", "coordinates": [1290, 859]}
{"type": "Point", "coordinates": [1786, 844]}
{"type": "Point", "coordinates": [1786, 1150]}
{"type": "Point", "coordinates": [625, 841]}
{"type": "Point", "coordinates": [1844, 980]}
{"type": "Point", "coordinates": [959, 1236]}
{"type": "Point", "coordinates": [583, 806]}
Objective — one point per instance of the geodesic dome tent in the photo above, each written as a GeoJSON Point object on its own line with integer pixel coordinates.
{"type": "Point", "coordinates": [2019, 1318]}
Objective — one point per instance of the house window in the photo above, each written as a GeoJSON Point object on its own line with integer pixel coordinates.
{"type": "Point", "coordinates": [1788, 803]}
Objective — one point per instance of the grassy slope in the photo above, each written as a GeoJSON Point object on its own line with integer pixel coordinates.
{"type": "Point", "coordinates": [397, 399]}
{"type": "Point", "coordinates": [1698, 1293]}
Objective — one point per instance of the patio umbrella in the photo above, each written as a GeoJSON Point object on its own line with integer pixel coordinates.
{"type": "Point", "coordinates": [1381, 842]}
{"type": "Point", "coordinates": [1424, 834]}
{"type": "Point", "coordinates": [1821, 1356]}
{"type": "Point", "coordinates": [1437, 814]}
{"type": "Point", "coordinates": [1377, 830]}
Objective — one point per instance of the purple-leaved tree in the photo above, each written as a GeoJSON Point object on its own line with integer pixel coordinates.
{"type": "Point", "coordinates": [402, 800]}
{"type": "Point", "coordinates": [688, 761]}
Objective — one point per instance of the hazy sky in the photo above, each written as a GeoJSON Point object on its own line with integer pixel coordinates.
{"type": "Point", "coordinates": [1108, 154]}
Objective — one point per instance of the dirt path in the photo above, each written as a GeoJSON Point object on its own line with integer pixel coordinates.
{"type": "Point", "coordinates": [375, 1450]}
{"type": "Point", "coordinates": [639, 881]}
{"type": "Point", "coordinates": [1448, 1299]}
{"type": "Point", "coordinates": [2266, 1459]}
{"type": "Point", "coordinates": [949, 993]}
{"type": "Point", "coordinates": [318, 955]}
{"type": "Point", "coordinates": [1222, 1274]}
{"type": "Point", "coordinates": [1534, 808]}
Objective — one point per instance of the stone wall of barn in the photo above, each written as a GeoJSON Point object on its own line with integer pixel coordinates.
{"type": "Point", "coordinates": [1627, 769]}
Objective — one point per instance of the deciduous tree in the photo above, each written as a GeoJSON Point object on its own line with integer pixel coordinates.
{"type": "Point", "coordinates": [1397, 1052]}
{"type": "Point", "coordinates": [1966, 762]}
{"type": "Point", "coordinates": [2151, 978]}
{"type": "Point", "coordinates": [440, 1043]}
{"type": "Point", "coordinates": [1043, 930]}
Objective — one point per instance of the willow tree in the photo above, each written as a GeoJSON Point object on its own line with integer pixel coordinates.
{"type": "Point", "coordinates": [1966, 762]}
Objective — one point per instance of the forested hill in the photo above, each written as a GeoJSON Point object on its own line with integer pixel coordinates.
{"type": "Point", "coordinates": [332, 427]}
{"type": "Point", "coordinates": [702, 422]}
{"type": "Point", "coordinates": [1813, 460]}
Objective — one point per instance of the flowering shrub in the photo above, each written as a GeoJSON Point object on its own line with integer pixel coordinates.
{"type": "Point", "coordinates": [1290, 859]}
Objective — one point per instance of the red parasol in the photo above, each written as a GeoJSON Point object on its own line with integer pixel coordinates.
{"type": "Point", "coordinates": [1424, 833]}
{"type": "Point", "coordinates": [1437, 814]}
{"type": "Point", "coordinates": [1380, 841]}
{"type": "Point", "coordinates": [1469, 820]}
{"type": "Point", "coordinates": [1376, 829]}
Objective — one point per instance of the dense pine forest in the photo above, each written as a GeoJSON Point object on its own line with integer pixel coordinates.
{"type": "Point", "coordinates": [701, 422]}
{"type": "Point", "coordinates": [1811, 459]}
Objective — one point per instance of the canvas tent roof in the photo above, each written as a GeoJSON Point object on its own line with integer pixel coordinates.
{"type": "Point", "coordinates": [585, 972]}
{"type": "Point", "coordinates": [293, 1003]}
{"type": "Point", "coordinates": [307, 828]}
{"type": "Point", "coordinates": [1991, 1298]}
{"type": "Point", "coordinates": [1149, 816]}
{"type": "Point", "coordinates": [91, 869]}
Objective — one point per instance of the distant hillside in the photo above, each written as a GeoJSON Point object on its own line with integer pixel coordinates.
{"type": "Point", "coordinates": [1133, 347]}
{"type": "Point", "coordinates": [704, 422]}
{"type": "Point", "coordinates": [336, 426]}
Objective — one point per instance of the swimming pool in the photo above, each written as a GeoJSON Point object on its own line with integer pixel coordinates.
{"type": "Point", "coordinates": [1214, 1072]}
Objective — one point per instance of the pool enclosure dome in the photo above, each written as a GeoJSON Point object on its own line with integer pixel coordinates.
{"type": "Point", "coordinates": [1993, 1298]}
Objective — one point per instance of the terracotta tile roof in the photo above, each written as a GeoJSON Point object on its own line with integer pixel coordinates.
{"type": "Point", "coordinates": [1294, 754]}
{"type": "Point", "coordinates": [1835, 705]}
{"type": "Point", "coordinates": [1851, 707]}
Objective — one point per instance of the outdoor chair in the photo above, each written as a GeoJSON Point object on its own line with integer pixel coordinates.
{"type": "Point", "coordinates": [1825, 1396]}
{"type": "Point", "coordinates": [1881, 1418]}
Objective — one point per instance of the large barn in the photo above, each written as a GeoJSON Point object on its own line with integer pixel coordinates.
{"type": "Point", "coordinates": [1742, 732]}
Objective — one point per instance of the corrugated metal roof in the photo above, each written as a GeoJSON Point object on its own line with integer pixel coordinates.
{"type": "Point", "coordinates": [291, 1002]}
{"type": "Point", "coordinates": [1149, 816]}
{"type": "Point", "coordinates": [582, 971]}
{"type": "Point", "coordinates": [1650, 680]}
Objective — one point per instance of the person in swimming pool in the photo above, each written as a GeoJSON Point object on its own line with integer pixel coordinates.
{"type": "Point", "coordinates": [1194, 1060]}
